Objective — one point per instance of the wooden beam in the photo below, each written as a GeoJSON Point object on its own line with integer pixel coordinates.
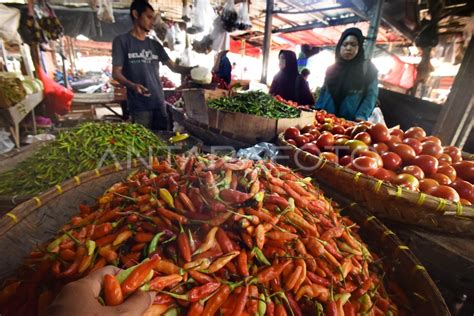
{"type": "Point", "coordinates": [455, 120]}
{"type": "Point", "coordinates": [335, 7]}
{"type": "Point", "coordinates": [267, 40]}
{"type": "Point", "coordinates": [313, 25]}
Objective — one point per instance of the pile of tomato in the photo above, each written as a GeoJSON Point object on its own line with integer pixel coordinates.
{"type": "Point", "coordinates": [410, 158]}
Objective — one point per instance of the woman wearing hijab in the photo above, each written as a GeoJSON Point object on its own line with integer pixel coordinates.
{"type": "Point", "coordinates": [288, 83]}
{"type": "Point", "coordinates": [350, 89]}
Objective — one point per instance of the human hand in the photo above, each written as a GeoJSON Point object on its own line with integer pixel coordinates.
{"type": "Point", "coordinates": [79, 298]}
{"type": "Point", "coordinates": [138, 88]}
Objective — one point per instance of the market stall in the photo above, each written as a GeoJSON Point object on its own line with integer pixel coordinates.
{"type": "Point", "coordinates": [255, 203]}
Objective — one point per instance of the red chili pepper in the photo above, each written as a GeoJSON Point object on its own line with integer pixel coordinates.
{"type": "Point", "coordinates": [280, 310]}
{"type": "Point", "coordinates": [317, 279]}
{"type": "Point", "coordinates": [234, 196]}
{"type": "Point", "coordinates": [183, 245]}
{"type": "Point", "coordinates": [241, 301]}
{"type": "Point", "coordinates": [331, 309]}
{"type": "Point", "coordinates": [242, 264]}
{"type": "Point", "coordinates": [112, 291]}
{"type": "Point", "coordinates": [74, 267]}
{"type": "Point", "coordinates": [162, 299]}
{"type": "Point", "coordinates": [130, 259]}
{"type": "Point", "coordinates": [293, 304]}
{"type": "Point", "coordinates": [201, 278]}
{"type": "Point", "coordinates": [106, 240]}
{"type": "Point", "coordinates": [224, 241]}
{"type": "Point", "coordinates": [210, 254]}
{"type": "Point", "coordinates": [281, 236]}
{"type": "Point", "coordinates": [143, 237]}
{"type": "Point", "coordinates": [217, 300]}
{"type": "Point", "coordinates": [84, 209]}
{"type": "Point", "coordinates": [98, 265]}
{"type": "Point", "coordinates": [172, 216]}
{"type": "Point", "coordinates": [272, 272]}
{"type": "Point", "coordinates": [188, 205]}
{"type": "Point", "coordinates": [136, 278]}
{"type": "Point", "coordinates": [349, 309]}
{"type": "Point", "coordinates": [247, 239]}
{"type": "Point", "coordinates": [270, 308]}
{"type": "Point", "coordinates": [196, 309]}
{"type": "Point", "coordinates": [108, 216]}
{"type": "Point", "coordinates": [108, 254]}
{"type": "Point", "coordinates": [276, 199]}
{"type": "Point", "coordinates": [364, 288]}
{"type": "Point", "coordinates": [101, 230]}
{"type": "Point", "coordinates": [199, 292]}
{"type": "Point", "coordinates": [159, 283]}
{"type": "Point", "coordinates": [67, 254]}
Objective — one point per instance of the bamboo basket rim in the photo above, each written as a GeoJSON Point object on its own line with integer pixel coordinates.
{"type": "Point", "coordinates": [436, 206]}
{"type": "Point", "coordinates": [388, 243]}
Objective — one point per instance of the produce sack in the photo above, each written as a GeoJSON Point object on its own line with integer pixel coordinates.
{"type": "Point", "coordinates": [106, 12]}
{"type": "Point", "coordinates": [58, 99]}
{"type": "Point", "coordinates": [10, 18]}
{"type": "Point", "coordinates": [229, 16]}
{"type": "Point", "coordinates": [243, 20]}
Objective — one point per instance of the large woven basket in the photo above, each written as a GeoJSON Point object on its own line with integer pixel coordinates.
{"type": "Point", "coordinates": [37, 221]}
{"type": "Point", "coordinates": [383, 199]}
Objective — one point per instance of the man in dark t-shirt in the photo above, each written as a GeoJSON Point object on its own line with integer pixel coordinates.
{"type": "Point", "coordinates": [136, 61]}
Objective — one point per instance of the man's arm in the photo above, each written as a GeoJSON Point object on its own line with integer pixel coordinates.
{"type": "Point", "coordinates": [177, 68]}
{"type": "Point", "coordinates": [118, 75]}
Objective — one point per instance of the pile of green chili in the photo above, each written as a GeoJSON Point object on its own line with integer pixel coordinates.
{"type": "Point", "coordinates": [256, 103]}
{"type": "Point", "coordinates": [85, 147]}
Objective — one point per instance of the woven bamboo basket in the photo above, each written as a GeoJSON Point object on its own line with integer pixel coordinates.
{"type": "Point", "coordinates": [37, 220]}
{"type": "Point", "coordinates": [383, 199]}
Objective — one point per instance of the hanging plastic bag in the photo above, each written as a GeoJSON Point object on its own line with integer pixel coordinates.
{"type": "Point", "coordinates": [198, 16]}
{"type": "Point", "coordinates": [243, 20]}
{"type": "Point", "coordinates": [261, 151]}
{"type": "Point", "coordinates": [9, 26]}
{"type": "Point", "coordinates": [185, 59]}
{"type": "Point", "coordinates": [170, 38]}
{"type": "Point", "coordinates": [105, 12]}
{"type": "Point", "coordinates": [160, 28]}
{"type": "Point", "coordinates": [229, 16]}
{"type": "Point", "coordinates": [6, 143]}
{"type": "Point", "coordinates": [220, 37]}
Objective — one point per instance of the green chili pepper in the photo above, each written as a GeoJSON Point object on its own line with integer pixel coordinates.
{"type": "Point", "coordinates": [260, 256]}
{"type": "Point", "coordinates": [154, 242]}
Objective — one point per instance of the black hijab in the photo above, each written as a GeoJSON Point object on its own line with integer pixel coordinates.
{"type": "Point", "coordinates": [284, 81]}
{"type": "Point", "coordinates": [347, 75]}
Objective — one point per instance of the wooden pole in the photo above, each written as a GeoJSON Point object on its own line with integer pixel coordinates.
{"type": "Point", "coordinates": [267, 40]}
{"type": "Point", "coordinates": [455, 120]}
{"type": "Point", "coordinates": [375, 16]}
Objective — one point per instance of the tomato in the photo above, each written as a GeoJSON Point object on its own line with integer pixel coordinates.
{"type": "Point", "coordinates": [415, 132]}
{"type": "Point", "coordinates": [445, 192]}
{"type": "Point", "coordinates": [371, 154]}
{"type": "Point", "coordinates": [427, 184]}
{"type": "Point", "coordinates": [433, 139]}
{"type": "Point", "coordinates": [448, 170]}
{"type": "Point", "coordinates": [301, 140]}
{"type": "Point", "coordinates": [325, 141]}
{"type": "Point", "coordinates": [364, 137]}
{"type": "Point", "coordinates": [406, 181]}
{"type": "Point", "coordinates": [453, 152]}
{"type": "Point", "coordinates": [379, 133]}
{"type": "Point", "coordinates": [405, 152]}
{"type": "Point", "coordinates": [445, 158]}
{"type": "Point", "coordinates": [345, 160]}
{"type": "Point", "coordinates": [315, 132]}
{"type": "Point", "coordinates": [465, 170]}
{"type": "Point", "coordinates": [311, 148]}
{"type": "Point", "coordinates": [427, 163]}
{"type": "Point", "coordinates": [349, 131]}
{"type": "Point", "coordinates": [381, 148]}
{"type": "Point", "coordinates": [356, 145]}
{"type": "Point", "coordinates": [291, 141]}
{"type": "Point", "coordinates": [384, 174]}
{"type": "Point", "coordinates": [307, 128]}
{"type": "Point", "coordinates": [395, 131]}
{"type": "Point", "coordinates": [291, 133]}
{"type": "Point", "coordinates": [330, 156]}
{"type": "Point", "coordinates": [441, 178]}
{"type": "Point", "coordinates": [338, 129]}
{"type": "Point", "coordinates": [431, 148]}
{"type": "Point", "coordinates": [309, 136]}
{"type": "Point", "coordinates": [464, 189]}
{"type": "Point", "coordinates": [414, 171]}
{"type": "Point", "coordinates": [326, 127]}
{"type": "Point", "coordinates": [365, 165]}
{"type": "Point", "coordinates": [391, 161]}
{"type": "Point", "coordinates": [415, 144]}
{"type": "Point", "coordinates": [359, 128]}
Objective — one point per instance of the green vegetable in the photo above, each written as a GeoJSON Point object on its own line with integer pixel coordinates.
{"type": "Point", "coordinates": [256, 103]}
{"type": "Point", "coordinates": [85, 147]}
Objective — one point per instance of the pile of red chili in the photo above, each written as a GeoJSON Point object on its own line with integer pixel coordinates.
{"type": "Point", "coordinates": [212, 235]}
